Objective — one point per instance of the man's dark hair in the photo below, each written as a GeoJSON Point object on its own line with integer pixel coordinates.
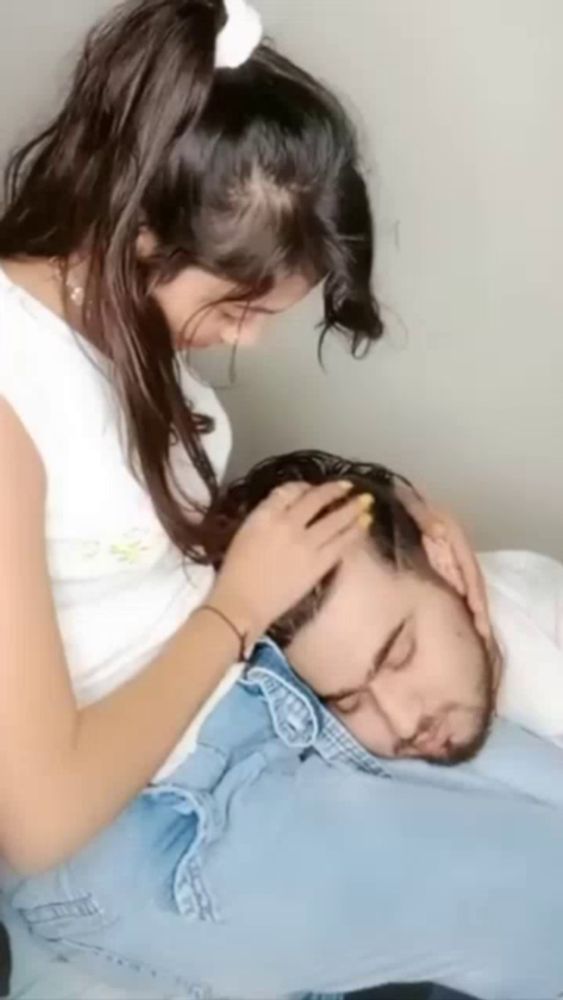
{"type": "Point", "coordinates": [395, 536]}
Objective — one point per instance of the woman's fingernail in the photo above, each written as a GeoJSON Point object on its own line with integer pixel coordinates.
{"type": "Point", "coordinates": [344, 485]}
{"type": "Point", "coordinates": [365, 521]}
{"type": "Point", "coordinates": [366, 501]}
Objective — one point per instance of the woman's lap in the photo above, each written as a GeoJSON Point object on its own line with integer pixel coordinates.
{"type": "Point", "coordinates": [301, 893]}
{"type": "Point", "coordinates": [264, 871]}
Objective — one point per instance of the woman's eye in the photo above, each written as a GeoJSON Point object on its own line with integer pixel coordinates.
{"type": "Point", "coordinates": [230, 318]}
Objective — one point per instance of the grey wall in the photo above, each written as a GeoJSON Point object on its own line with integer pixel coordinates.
{"type": "Point", "coordinates": [460, 109]}
{"type": "Point", "coordinates": [37, 40]}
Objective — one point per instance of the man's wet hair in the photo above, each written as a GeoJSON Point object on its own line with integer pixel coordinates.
{"type": "Point", "coordinates": [396, 537]}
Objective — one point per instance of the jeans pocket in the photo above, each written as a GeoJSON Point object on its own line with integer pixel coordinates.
{"type": "Point", "coordinates": [76, 929]}
{"type": "Point", "coordinates": [135, 977]}
{"type": "Point", "coordinates": [54, 913]}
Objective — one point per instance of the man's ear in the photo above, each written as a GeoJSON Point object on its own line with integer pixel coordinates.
{"type": "Point", "coordinates": [440, 555]}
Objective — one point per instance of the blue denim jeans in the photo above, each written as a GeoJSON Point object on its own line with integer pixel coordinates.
{"type": "Point", "coordinates": [284, 861]}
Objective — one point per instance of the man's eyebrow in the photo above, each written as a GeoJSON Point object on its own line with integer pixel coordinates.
{"type": "Point", "coordinates": [378, 661]}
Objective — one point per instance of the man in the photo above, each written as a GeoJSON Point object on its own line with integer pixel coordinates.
{"type": "Point", "coordinates": [390, 647]}
{"type": "Point", "coordinates": [288, 859]}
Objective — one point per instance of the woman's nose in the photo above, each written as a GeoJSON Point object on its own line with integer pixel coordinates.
{"type": "Point", "coordinates": [252, 333]}
{"type": "Point", "coordinates": [244, 336]}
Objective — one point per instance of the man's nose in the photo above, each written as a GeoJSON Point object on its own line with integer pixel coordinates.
{"type": "Point", "coordinates": [402, 711]}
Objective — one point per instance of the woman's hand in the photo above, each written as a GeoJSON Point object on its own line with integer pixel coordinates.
{"type": "Point", "coordinates": [451, 555]}
{"type": "Point", "coordinates": [284, 548]}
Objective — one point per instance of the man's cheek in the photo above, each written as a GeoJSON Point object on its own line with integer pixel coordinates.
{"type": "Point", "coordinates": [370, 732]}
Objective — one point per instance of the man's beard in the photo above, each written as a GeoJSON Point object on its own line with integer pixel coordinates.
{"type": "Point", "coordinates": [461, 753]}
{"type": "Point", "coordinates": [454, 753]}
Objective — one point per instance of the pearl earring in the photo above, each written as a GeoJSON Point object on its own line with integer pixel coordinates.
{"type": "Point", "coordinates": [76, 293]}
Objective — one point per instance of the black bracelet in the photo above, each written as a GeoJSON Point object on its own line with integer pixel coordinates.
{"type": "Point", "coordinates": [241, 636]}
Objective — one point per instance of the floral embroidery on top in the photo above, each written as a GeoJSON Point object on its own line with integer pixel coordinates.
{"type": "Point", "coordinates": [129, 551]}
{"type": "Point", "coordinates": [125, 551]}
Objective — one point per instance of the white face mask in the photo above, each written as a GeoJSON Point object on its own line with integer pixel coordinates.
{"type": "Point", "coordinates": [240, 37]}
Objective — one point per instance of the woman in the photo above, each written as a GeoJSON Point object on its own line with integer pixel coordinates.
{"type": "Point", "coordinates": [193, 184]}
{"type": "Point", "coordinates": [176, 202]}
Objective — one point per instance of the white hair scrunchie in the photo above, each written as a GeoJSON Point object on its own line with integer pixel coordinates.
{"type": "Point", "coordinates": [241, 35]}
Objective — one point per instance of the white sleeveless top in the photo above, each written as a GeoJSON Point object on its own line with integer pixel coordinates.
{"type": "Point", "coordinates": [121, 589]}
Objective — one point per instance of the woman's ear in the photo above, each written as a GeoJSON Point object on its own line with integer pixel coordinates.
{"type": "Point", "coordinates": [146, 243]}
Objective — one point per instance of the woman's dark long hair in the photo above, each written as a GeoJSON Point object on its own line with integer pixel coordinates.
{"type": "Point", "coordinates": [250, 174]}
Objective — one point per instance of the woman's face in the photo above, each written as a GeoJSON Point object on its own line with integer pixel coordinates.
{"type": "Point", "coordinates": [199, 314]}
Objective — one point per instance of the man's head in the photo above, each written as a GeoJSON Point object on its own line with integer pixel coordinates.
{"type": "Point", "coordinates": [386, 644]}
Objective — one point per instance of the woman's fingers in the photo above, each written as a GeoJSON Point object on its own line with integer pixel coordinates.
{"type": "Point", "coordinates": [334, 551]}
{"type": "Point", "coordinates": [355, 513]}
{"type": "Point", "coordinates": [440, 558]}
{"type": "Point", "coordinates": [286, 496]}
{"type": "Point", "coordinates": [317, 499]}
{"type": "Point", "coordinates": [451, 553]}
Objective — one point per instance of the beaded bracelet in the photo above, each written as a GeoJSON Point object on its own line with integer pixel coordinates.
{"type": "Point", "coordinates": [241, 636]}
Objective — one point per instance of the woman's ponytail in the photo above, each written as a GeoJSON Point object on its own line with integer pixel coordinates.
{"type": "Point", "coordinates": [165, 53]}
{"type": "Point", "coordinates": [142, 83]}
{"type": "Point", "coordinates": [160, 60]}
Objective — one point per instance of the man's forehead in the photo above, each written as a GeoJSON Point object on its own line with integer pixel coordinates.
{"type": "Point", "coordinates": [366, 601]}
{"type": "Point", "coordinates": [365, 584]}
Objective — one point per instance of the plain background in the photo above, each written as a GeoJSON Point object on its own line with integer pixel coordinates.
{"type": "Point", "coordinates": [459, 108]}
